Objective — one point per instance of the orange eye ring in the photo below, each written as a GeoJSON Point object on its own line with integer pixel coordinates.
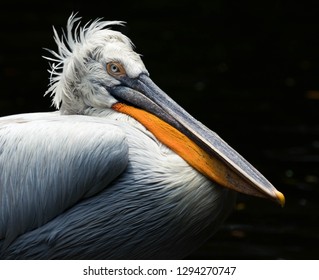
{"type": "Point", "coordinates": [115, 69]}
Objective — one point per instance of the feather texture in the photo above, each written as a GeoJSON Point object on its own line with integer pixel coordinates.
{"type": "Point", "coordinates": [88, 182]}
{"type": "Point", "coordinates": [142, 209]}
{"type": "Point", "coordinates": [75, 47]}
{"type": "Point", "coordinates": [55, 162]}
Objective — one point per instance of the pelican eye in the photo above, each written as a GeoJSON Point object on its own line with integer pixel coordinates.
{"type": "Point", "coordinates": [115, 69]}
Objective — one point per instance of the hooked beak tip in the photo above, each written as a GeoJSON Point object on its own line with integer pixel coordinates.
{"type": "Point", "coordinates": [280, 198]}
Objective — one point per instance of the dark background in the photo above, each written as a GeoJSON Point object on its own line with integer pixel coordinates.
{"type": "Point", "coordinates": [249, 70]}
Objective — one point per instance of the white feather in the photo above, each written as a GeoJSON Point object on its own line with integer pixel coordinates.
{"type": "Point", "coordinates": [83, 53]}
{"type": "Point", "coordinates": [99, 185]}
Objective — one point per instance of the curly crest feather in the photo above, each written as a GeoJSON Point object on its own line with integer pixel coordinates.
{"type": "Point", "coordinates": [67, 66]}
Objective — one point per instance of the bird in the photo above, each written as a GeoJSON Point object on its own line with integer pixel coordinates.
{"type": "Point", "coordinates": [119, 170]}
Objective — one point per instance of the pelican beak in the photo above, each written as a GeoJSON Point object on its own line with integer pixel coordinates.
{"type": "Point", "coordinates": [202, 148]}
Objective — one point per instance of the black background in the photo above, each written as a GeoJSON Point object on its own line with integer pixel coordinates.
{"type": "Point", "coordinates": [249, 70]}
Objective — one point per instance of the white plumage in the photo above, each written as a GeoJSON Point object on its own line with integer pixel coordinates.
{"type": "Point", "coordinates": [78, 69]}
{"type": "Point", "coordinates": [103, 177]}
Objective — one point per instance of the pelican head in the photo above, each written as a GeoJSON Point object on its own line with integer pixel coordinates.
{"type": "Point", "coordinates": [92, 61]}
{"type": "Point", "coordinates": [96, 68]}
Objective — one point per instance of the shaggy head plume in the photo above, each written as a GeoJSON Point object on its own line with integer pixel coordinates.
{"type": "Point", "coordinates": [70, 66]}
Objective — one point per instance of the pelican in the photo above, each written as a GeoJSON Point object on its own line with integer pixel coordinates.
{"type": "Point", "coordinates": [119, 170]}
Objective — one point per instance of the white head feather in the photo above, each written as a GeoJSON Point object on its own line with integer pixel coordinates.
{"type": "Point", "coordinates": [78, 77]}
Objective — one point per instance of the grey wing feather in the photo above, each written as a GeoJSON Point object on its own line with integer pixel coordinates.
{"type": "Point", "coordinates": [47, 165]}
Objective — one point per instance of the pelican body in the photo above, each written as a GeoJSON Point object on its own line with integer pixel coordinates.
{"type": "Point", "coordinates": [119, 171]}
